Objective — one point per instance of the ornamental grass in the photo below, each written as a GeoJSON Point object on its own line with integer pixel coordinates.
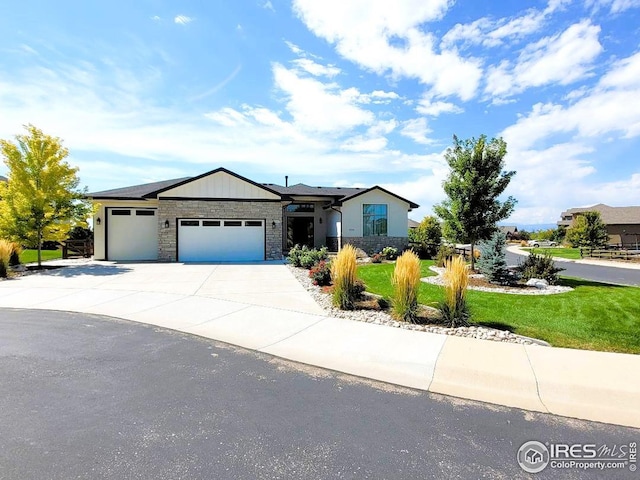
{"type": "Point", "coordinates": [406, 281]}
{"type": "Point", "coordinates": [343, 275]}
{"type": "Point", "coordinates": [6, 248]}
{"type": "Point", "coordinates": [454, 309]}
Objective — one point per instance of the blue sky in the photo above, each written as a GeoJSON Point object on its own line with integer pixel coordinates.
{"type": "Point", "coordinates": [346, 93]}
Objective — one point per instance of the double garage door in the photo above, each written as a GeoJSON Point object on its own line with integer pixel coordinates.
{"type": "Point", "coordinates": [219, 240]}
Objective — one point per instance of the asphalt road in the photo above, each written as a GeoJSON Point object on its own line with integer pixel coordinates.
{"type": "Point", "coordinates": [98, 398]}
{"type": "Point", "coordinates": [596, 273]}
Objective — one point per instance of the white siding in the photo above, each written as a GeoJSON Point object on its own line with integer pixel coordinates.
{"type": "Point", "coordinates": [397, 213]}
{"type": "Point", "coordinates": [99, 230]}
{"type": "Point", "coordinates": [219, 185]}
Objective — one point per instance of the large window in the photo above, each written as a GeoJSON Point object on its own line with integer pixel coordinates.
{"type": "Point", "coordinates": [374, 220]}
{"type": "Point", "coordinates": [300, 207]}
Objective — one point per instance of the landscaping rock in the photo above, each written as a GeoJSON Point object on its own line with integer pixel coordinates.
{"type": "Point", "coordinates": [540, 283]}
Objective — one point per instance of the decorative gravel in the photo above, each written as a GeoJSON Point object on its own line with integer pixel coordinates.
{"type": "Point", "coordinates": [549, 290]}
{"type": "Point", "coordinates": [383, 318]}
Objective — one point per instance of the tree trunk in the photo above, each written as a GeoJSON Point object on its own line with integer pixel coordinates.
{"type": "Point", "coordinates": [39, 249]}
{"type": "Point", "coordinates": [473, 257]}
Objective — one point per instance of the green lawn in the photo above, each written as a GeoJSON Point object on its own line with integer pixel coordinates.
{"type": "Point", "coordinates": [30, 256]}
{"type": "Point", "coordinates": [570, 253]}
{"type": "Point", "coordinates": [594, 316]}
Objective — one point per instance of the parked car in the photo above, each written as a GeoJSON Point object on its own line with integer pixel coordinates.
{"type": "Point", "coordinates": [541, 243]}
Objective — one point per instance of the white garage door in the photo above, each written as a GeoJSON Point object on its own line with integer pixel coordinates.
{"type": "Point", "coordinates": [213, 240]}
{"type": "Point", "coordinates": [132, 234]}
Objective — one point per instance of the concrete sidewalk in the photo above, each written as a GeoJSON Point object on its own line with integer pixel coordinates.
{"type": "Point", "coordinates": [263, 307]}
{"type": "Point", "coordinates": [585, 261]}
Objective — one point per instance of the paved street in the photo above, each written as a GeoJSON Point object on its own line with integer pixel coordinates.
{"type": "Point", "coordinates": [85, 396]}
{"type": "Point", "coordinates": [597, 273]}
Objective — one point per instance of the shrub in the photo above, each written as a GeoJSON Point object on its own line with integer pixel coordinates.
{"type": "Point", "coordinates": [427, 236]}
{"type": "Point", "coordinates": [445, 252]}
{"type": "Point", "coordinates": [321, 273]}
{"type": "Point", "coordinates": [383, 303]}
{"type": "Point", "coordinates": [343, 275]}
{"type": "Point", "coordinates": [406, 280]}
{"type": "Point", "coordinates": [454, 309]}
{"type": "Point", "coordinates": [376, 258]}
{"type": "Point", "coordinates": [14, 258]}
{"type": "Point", "coordinates": [6, 248]}
{"type": "Point", "coordinates": [390, 253]}
{"type": "Point", "coordinates": [539, 266]}
{"type": "Point", "coordinates": [305, 257]}
{"type": "Point", "coordinates": [493, 259]}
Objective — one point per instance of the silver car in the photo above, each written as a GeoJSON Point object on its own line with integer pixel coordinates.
{"type": "Point", "coordinates": [541, 243]}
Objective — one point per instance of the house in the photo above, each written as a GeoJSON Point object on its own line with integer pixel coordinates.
{"type": "Point", "coordinates": [623, 223]}
{"type": "Point", "coordinates": [222, 216]}
{"type": "Point", "coordinates": [3, 179]}
{"type": "Point", "coordinates": [413, 224]}
{"type": "Point", "coordinates": [508, 230]}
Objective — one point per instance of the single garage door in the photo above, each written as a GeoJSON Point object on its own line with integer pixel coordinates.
{"type": "Point", "coordinates": [132, 234]}
{"type": "Point", "coordinates": [213, 240]}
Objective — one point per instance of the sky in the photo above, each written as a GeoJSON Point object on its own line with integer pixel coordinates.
{"type": "Point", "coordinates": [334, 93]}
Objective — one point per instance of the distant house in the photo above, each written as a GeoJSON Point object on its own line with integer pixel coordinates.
{"type": "Point", "coordinates": [623, 223]}
{"type": "Point", "coordinates": [3, 179]}
{"type": "Point", "coordinates": [413, 224]}
{"type": "Point", "coordinates": [508, 230]}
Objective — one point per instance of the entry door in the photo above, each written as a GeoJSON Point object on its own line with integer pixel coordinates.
{"type": "Point", "coordinates": [300, 231]}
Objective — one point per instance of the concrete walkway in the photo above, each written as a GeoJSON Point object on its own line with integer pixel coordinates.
{"type": "Point", "coordinates": [263, 307]}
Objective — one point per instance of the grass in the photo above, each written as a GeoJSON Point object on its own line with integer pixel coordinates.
{"type": "Point", "coordinates": [595, 316]}
{"type": "Point", "coordinates": [562, 252]}
{"type": "Point", "coordinates": [31, 256]}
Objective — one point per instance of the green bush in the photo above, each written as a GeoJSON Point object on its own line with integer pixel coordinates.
{"type": "Point", "coordinates": [445, 252]}
{"type": "Point", "coordinates": [539, 266]}
{"type": "Point", "coordinates": [305, 257]}
{"type": "Point", "coordinates": [320, 273]}
{"type": "Point", "coordinates": [493, 260]}
{"type": "Point", "coordinates": [426, 237]}
{"type": "Point", "coordinates": [390, 253]}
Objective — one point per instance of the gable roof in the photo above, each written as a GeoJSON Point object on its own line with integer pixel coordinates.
{"type": "Point", "coordinates": [611, 215]}
{"type": "Point", "coordinates": [152, 190]}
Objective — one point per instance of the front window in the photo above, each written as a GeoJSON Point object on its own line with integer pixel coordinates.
{"type": "Point", "coordinates": [374, 220]}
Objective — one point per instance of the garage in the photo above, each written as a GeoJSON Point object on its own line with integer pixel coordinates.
{"type": "Point", "coordinates": [221, 240]}
{"type": "Point", "coordinates": [132, 234]}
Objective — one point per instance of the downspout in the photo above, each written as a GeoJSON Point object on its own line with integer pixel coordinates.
{"type": "Point", "coordinates": [340, 232]}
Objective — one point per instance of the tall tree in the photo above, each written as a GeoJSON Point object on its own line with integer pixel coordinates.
{"type": "Point", "coordinates": [41, 199]}
{"type": "Point", "coordinates": [475, 182]}
{"type": "Point", "coordinates": [588, 230]}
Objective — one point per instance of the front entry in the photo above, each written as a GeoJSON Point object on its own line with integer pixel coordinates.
{"type": "Point", "coordinates": [299, 231]}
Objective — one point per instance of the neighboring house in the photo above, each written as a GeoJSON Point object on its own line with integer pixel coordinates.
{"type": "Point", "coordinates": [413, 224]}
{"type": "Point", "coordinates": [222, 216]}
{"type": "Point", "coordinates": [3, 179]}
{"type": "Point", "coordinates": [623, 223]}
{"type": "Point", "coordinates": [508, 230]}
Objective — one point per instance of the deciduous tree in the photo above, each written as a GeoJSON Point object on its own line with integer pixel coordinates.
{"type": "Point", "coordinates": [41, 199]}
{"type": "Point", "coordinates": [476, 181]}
{"type": "Point", "coordinates": [588, 230]}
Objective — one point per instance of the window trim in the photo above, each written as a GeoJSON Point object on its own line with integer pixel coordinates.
{"type": "Point", "coordinates": [375, 217]}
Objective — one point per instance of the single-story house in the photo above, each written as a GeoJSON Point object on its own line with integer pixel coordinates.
{"type": "Point", "coordinates": [623, 223]}
{"type": "Point", "coordinates": [508, 230]}
{"type": "Point", "coordinates": [222, 216]}
{"type": "Point", "coordinates": [3, 179]}
{"type": "Point", "coordinates": [413, 224]}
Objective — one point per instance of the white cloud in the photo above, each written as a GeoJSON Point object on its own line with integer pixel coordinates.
{"type": "Point", "coordinates": [390, 40]}
{"type": "Point", "coordinates": [562, 58]}
{"type": "Point", "coordinates": [294, 48]}
{"type": "Point", "coordinates": [426, 106]}
{"type": "Point", "coordinates": [156, 18]}
{"type": "Point", "coordinates": [315, 68]}
{"type": "Point", "coordinates": [268, 6]}
{"type": "Point", "coordinates": [182, 19]}
{"type": "Point", "coordinates": [417, 130]}
{"type": "Point", "coordinates": [615, 6]}
{"type": "Point", "coordinates": [319, 107]}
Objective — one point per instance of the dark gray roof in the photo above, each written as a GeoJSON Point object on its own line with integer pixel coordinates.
{"type": "Point", "coordinates": [137, 191]}
{"type": "Point", "coordinates": [150, 190]}
{"type": "Point", "coordinates": [610, 215]}
{"type": "Point", "coordinates": [302, 189]}
{"type": "Point", "coordinates": [3, 179]}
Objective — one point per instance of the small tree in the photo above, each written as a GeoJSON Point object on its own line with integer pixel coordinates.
{"type": "Point", "coordinates": [588, 230]}
{"type": "Point", "coordinates": [493, 259]}
{"type": "Point", "coordinates": [475, 182]}
{"type": "Point", "coordinates": [41, 199]}
{"type": "Point", "coordinates": [428, 235]}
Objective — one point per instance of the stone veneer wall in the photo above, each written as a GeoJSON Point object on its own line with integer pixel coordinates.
{"type": "Point", "coordinates": [220, 209]}
{"type": "Point", "coordinates": [370, 245]}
